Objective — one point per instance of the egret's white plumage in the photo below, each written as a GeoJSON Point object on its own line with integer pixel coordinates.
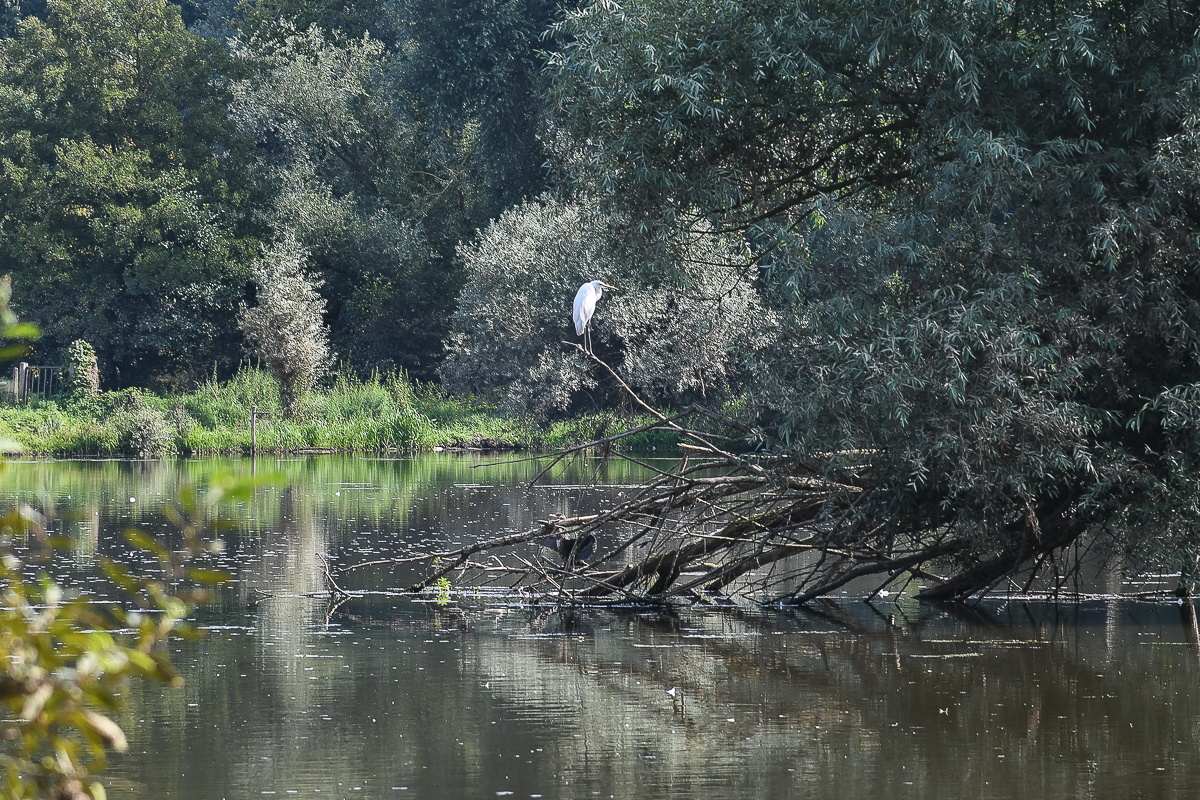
{"type": "Point", "coordinates": [585, 306]}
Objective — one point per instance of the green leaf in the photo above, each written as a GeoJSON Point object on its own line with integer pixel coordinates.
{"type": "Point", "coordinates": [208, 576]}
{"type": "Point", "coordinates": [144, 542]}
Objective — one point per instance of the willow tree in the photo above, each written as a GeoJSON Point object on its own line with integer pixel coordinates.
{"type": "Point", "coordinates": [980, 222]}
{"type": "Point", "coordinates": [508, 334]}
{"type": "Point", "coordinates": [286, 329]}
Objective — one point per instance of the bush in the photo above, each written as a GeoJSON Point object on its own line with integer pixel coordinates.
{"type": "Point", "coordinates": [142, 429]}
{"type": "Point", "coordinates": [81, 376]}
{"type": "Point", "coordinates": [674, 343]}
{"type": "Point", "coordinates": [285, 329]}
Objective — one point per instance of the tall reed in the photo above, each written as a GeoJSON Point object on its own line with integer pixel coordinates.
{"type": "Point", "coordinates": [379, 412]}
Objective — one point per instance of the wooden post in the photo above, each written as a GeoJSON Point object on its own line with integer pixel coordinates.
{"type": "Point", "coordinates": [253, 430]}
{"type": "Point", "coordinates": [23, 382]}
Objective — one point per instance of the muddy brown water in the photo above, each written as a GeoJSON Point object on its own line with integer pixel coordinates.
{"type": "Point", "coordinates": [386, 697]}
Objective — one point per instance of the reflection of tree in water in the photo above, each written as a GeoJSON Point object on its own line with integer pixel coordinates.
{"type": "Point", "coordinates": [285, 577]}
{"type": "Point", "coordinates": [837, 701]}
{"type": "Point", "coordinates": [856, 704]}
{"type": "Point", "coordinates": [81, 527]}
{"type": "Point", "coordinates": [289, 557]}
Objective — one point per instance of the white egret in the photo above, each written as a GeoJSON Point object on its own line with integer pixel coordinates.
{"type": "Point", "coordinates": [585, 306]}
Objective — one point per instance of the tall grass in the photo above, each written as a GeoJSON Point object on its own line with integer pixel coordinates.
{"type": "Point", "coordinates": [355, 414]}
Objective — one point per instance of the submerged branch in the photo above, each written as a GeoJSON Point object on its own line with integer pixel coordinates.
{"type": "Point", "coordinates": [718, 518]}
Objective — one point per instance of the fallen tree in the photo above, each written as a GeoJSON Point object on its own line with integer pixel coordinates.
{"type": "Point", "coordinates": [725, 524]}
{"type": "Point", "coordinates": [978, 225]}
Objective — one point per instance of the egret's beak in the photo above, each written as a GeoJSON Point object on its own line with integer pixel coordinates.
{"type": "Point", "coordinates": [606, 286]}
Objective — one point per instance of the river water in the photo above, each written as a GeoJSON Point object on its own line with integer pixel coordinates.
{"type": "Point", "coordinates": [387, 697]}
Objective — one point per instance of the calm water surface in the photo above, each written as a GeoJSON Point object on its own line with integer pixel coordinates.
{"type": "Point", "coordinates": [384, 697]}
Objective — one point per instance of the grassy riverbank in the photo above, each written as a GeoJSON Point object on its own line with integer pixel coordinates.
{"type": "Point", "coordinates": [376, 414]}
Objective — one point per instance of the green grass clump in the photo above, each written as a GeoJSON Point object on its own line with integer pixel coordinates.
{"type": "Point", "coordinates": [464, 421]}
{"type": "Point", "coordinates": [591, 427]}
{"type": "Point", "coordinates": [372, 414]}
{"type": "Point", "coordinates": [218, 405]}
{"type": "Point", "coordinates": [353, 415]}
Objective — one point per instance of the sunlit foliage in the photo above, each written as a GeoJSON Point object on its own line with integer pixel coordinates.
{"type": "Point", "coordinates": [122, 192]}
{"type": "Point", "coordinates": [513, 328]}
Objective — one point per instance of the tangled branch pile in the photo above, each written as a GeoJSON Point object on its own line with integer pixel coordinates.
{"type": "Point", "coordinates": [723, 524]}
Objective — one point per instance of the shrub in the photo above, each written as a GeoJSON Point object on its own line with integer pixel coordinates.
{"type": "Point", "coordinates": [142, 429]}
{"type": "Point", "coordinates": [674, 343]}
{"type": "Point", "coordinates": [81, 376]}
{"type": "Point", "coordinates": [285, 330]}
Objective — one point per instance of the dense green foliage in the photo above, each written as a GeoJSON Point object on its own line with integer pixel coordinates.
{"type": "Point", "coordinates": [215, 418]}
{"type": "Point", "coordinates": [974, 226]}
{"type": "Point", "coordinates": [145, 166]}
{"type": "Point", "coordinates": [121, 188]}
{"type": "Point", "coordinates": [81, 373]}
{"type": "Point", "coordinates": [980, 223]}
{"type": "Point", "coordinates": [381, 412]}
{"type": "Point", "coordinates": [387, 143]}
{"type": "Point", "coordinates": [513, 327]}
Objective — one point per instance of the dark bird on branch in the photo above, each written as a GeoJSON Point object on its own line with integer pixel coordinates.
{"type": "Point", "coordinates": [572, 551]}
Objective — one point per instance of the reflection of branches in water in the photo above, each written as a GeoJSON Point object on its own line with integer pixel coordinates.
{"type": "Point", "coordinates": [826, 680]}
{"type": "Point", "coordinates": [720, 524]}
{"type": "Point", "coordinates": [1191, 631]}
{"type": "Point", "coordinates": [333, 605]}
{"type": "Point", "coordinates": [330, 582]}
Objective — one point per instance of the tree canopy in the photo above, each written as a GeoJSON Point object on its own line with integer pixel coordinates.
{"type": "Point", "coordinates": [672, 344]}
{"type": "Point", "coordinates": [390, 147]}
{"type": "Point", "coordinates": [979, 221]}
{"type": "Point", "coordinates": [123, 196]}
{"type": "Point", "coordinates": [144, 167]}
{"type": "Point", "coordinates": [975, 225]}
